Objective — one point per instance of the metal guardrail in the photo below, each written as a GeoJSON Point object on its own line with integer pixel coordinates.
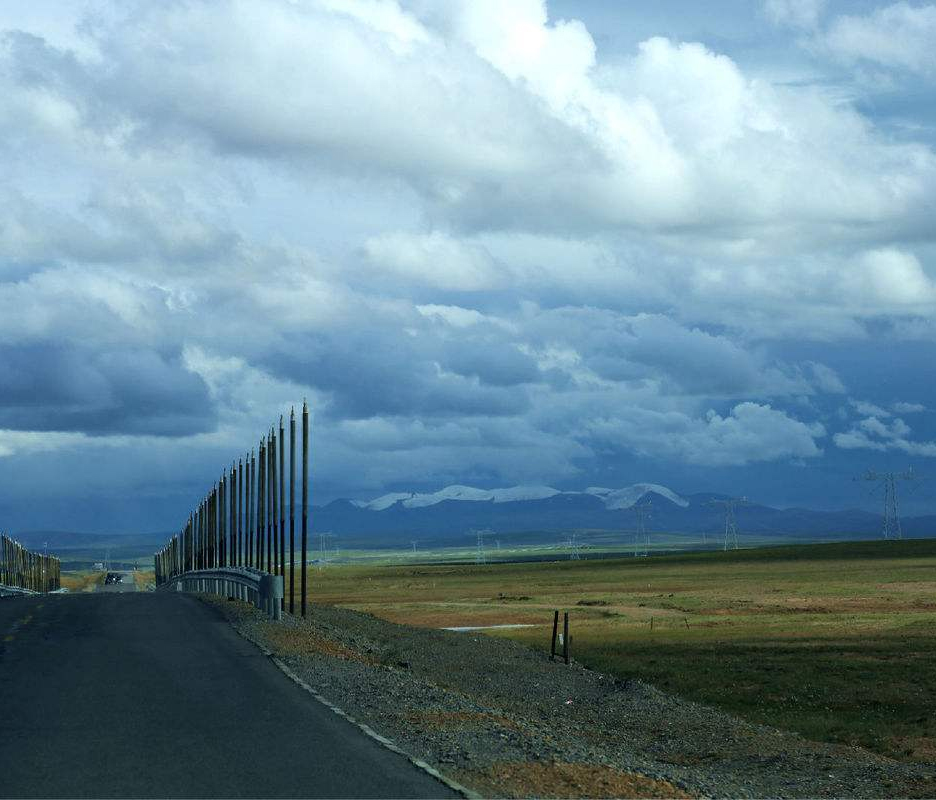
{"type": "Point", "coordinates": [262, 589]}
{"type": "Point", "coordinates": [8, 591]}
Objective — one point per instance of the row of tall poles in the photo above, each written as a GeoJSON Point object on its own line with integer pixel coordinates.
{"type": "Point", "coordinates": [24, 569]}
{"type": "Point", "coordinates": [241, 522]}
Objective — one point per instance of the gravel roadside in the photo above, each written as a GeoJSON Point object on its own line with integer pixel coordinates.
{"type": "Point", "coordinates": [504, 720]}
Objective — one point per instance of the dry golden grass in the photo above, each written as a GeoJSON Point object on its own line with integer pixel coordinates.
{"type": "Point", "coordinates": [837, 642]}
{"type": "Point", "coordinates": [289, 641]}
{"type": "Point", "coordinates": [444, 720]}
{"type": "Point", "coordinates": [509, 779]}
{"type": "Point", "coordinates": [143, 578]}
{"type": "Point", "coordinates": [82, 581]}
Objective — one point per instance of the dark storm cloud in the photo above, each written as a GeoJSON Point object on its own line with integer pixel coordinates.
{"type": "Point", "coordinates": [61, 387]}
{"type": "Point", "coordinates": [376, 372]}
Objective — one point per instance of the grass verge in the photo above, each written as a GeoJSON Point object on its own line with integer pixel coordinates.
{"type": "Point", "coordinates": [835, 641]}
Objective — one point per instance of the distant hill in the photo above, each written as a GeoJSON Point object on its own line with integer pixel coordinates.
{"type": "Point", "coordinates": [64, 541]}
{"type": "Point", "coordinates": [447, 516]}
{"type": "Point", "coordinates": [529, 513]}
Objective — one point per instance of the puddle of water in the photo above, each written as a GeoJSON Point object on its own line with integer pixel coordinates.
{"type": "Point", "coordinates": [466, 628]}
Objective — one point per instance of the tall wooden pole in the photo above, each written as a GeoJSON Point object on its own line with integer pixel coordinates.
{"type": "Point", "coordinates": [222, 521]}
{"type": "Point", "coordinates": [269, 507]}
{"type": "Point", "coordinates": [292, 510]}
{"type": "Point", "coordinates": [240, 511]}
{"type": "Point", "coordinates": [251, 506]}
{"type": "Point", "coordinates": [261, 510]}
{"type": "Point", "coordinates": [305, 500]}
{"type": "Point", "coordinates": [282, 508]}
{"type": "Point", "coordinates": [274, 505]}
{"type": "Point", "coordinates": [203, 535]}
{"type": "Point", "coordinates": [232, 514]}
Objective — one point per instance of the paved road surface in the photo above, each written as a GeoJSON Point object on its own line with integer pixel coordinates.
{"type": "Point", "coordinates": [153, 695]}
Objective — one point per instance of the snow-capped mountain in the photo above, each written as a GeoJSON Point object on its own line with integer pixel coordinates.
{"type": "Point", "coordinates": [631, 495]}
{"type": "Point", "coordinates": [612, 499]}
{"type": "Point", "coordinates": [537, 512]}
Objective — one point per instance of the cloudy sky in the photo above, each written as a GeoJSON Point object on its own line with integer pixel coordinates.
{"type": "Point", "coordinates": [577, 243]}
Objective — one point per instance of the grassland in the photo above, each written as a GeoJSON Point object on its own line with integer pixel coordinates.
{"type": "Point", "coordinates": [82, 580]}
{"type": "Point", "coordinates": [835, 641]}
{"type": "Point", "coordinates": [144, 579]}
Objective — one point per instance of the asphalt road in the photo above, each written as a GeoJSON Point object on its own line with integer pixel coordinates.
{"type": "Point", "coordinates": [150, 694]}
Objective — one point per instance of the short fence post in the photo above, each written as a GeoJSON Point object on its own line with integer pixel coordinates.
{"type": "Point", "coordinates": [565, 636]}
{"type": "Point", "coordinates": [552, 651]}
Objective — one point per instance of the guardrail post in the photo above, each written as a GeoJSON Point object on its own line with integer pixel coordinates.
{"type": "Point", "coordinates": [271, 593]}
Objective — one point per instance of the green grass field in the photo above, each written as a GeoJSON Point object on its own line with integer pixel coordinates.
{"type": "Point", "coordinates": [835, 641]}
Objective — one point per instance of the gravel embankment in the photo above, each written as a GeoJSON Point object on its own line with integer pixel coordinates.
{"type": "Point", "coordinates": [502, 719]}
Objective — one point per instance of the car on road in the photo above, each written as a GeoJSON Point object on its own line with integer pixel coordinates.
{"type": "Point", "coordinates": [113, 577]}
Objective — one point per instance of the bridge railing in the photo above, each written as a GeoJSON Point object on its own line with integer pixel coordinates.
{"type": "Point", "coordinates": [234, 541]}
{"type": "Point", "coordinates": [262, 589]}
{"type": "Point", "coordinates": [25, 572]}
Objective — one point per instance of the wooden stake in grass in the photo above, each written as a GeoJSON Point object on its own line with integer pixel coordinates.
{"type": "Point", "coordinates": [565, 636]}
{"type": "Point", "coordinates": [552, 650]}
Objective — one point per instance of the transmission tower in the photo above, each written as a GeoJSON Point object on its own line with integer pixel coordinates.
{"type": "Point", "coordinates": [414, 546]}
{"type": "Point", "coordinates": [480, 556]}
{"type": "Point", "coordinates": [327, 537]}
{"type": "Point", "coordinates": [641, 536]}
{"type": "Point", "coordinates": [891, 527]}
{"type": "Point", "coordinates": [731, 524]}
{"type": "Point", "coordinates": [575, 548]}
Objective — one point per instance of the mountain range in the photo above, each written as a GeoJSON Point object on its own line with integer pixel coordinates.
{"type": "Point", "coordinates": [449, 515]}
{"type": "Point", "coordinates": [531, 514]}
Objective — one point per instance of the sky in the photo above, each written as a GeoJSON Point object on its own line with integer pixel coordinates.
{"type": "Point", "coordinates": [493, 243]}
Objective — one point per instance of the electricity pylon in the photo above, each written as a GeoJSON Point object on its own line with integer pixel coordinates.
{"type": "Point", "coordinates": [891, 526]}
{"type": "Point", "coordinates": [574, 546]}
{"type": "Point", "coordinates": [326, 537]}
{"type": "Point", "coordinates": [641, 536]}
{"type": "Point", "coordinates": [480, 555]}
{"type": "Point", "coordinates": [731, 524]}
